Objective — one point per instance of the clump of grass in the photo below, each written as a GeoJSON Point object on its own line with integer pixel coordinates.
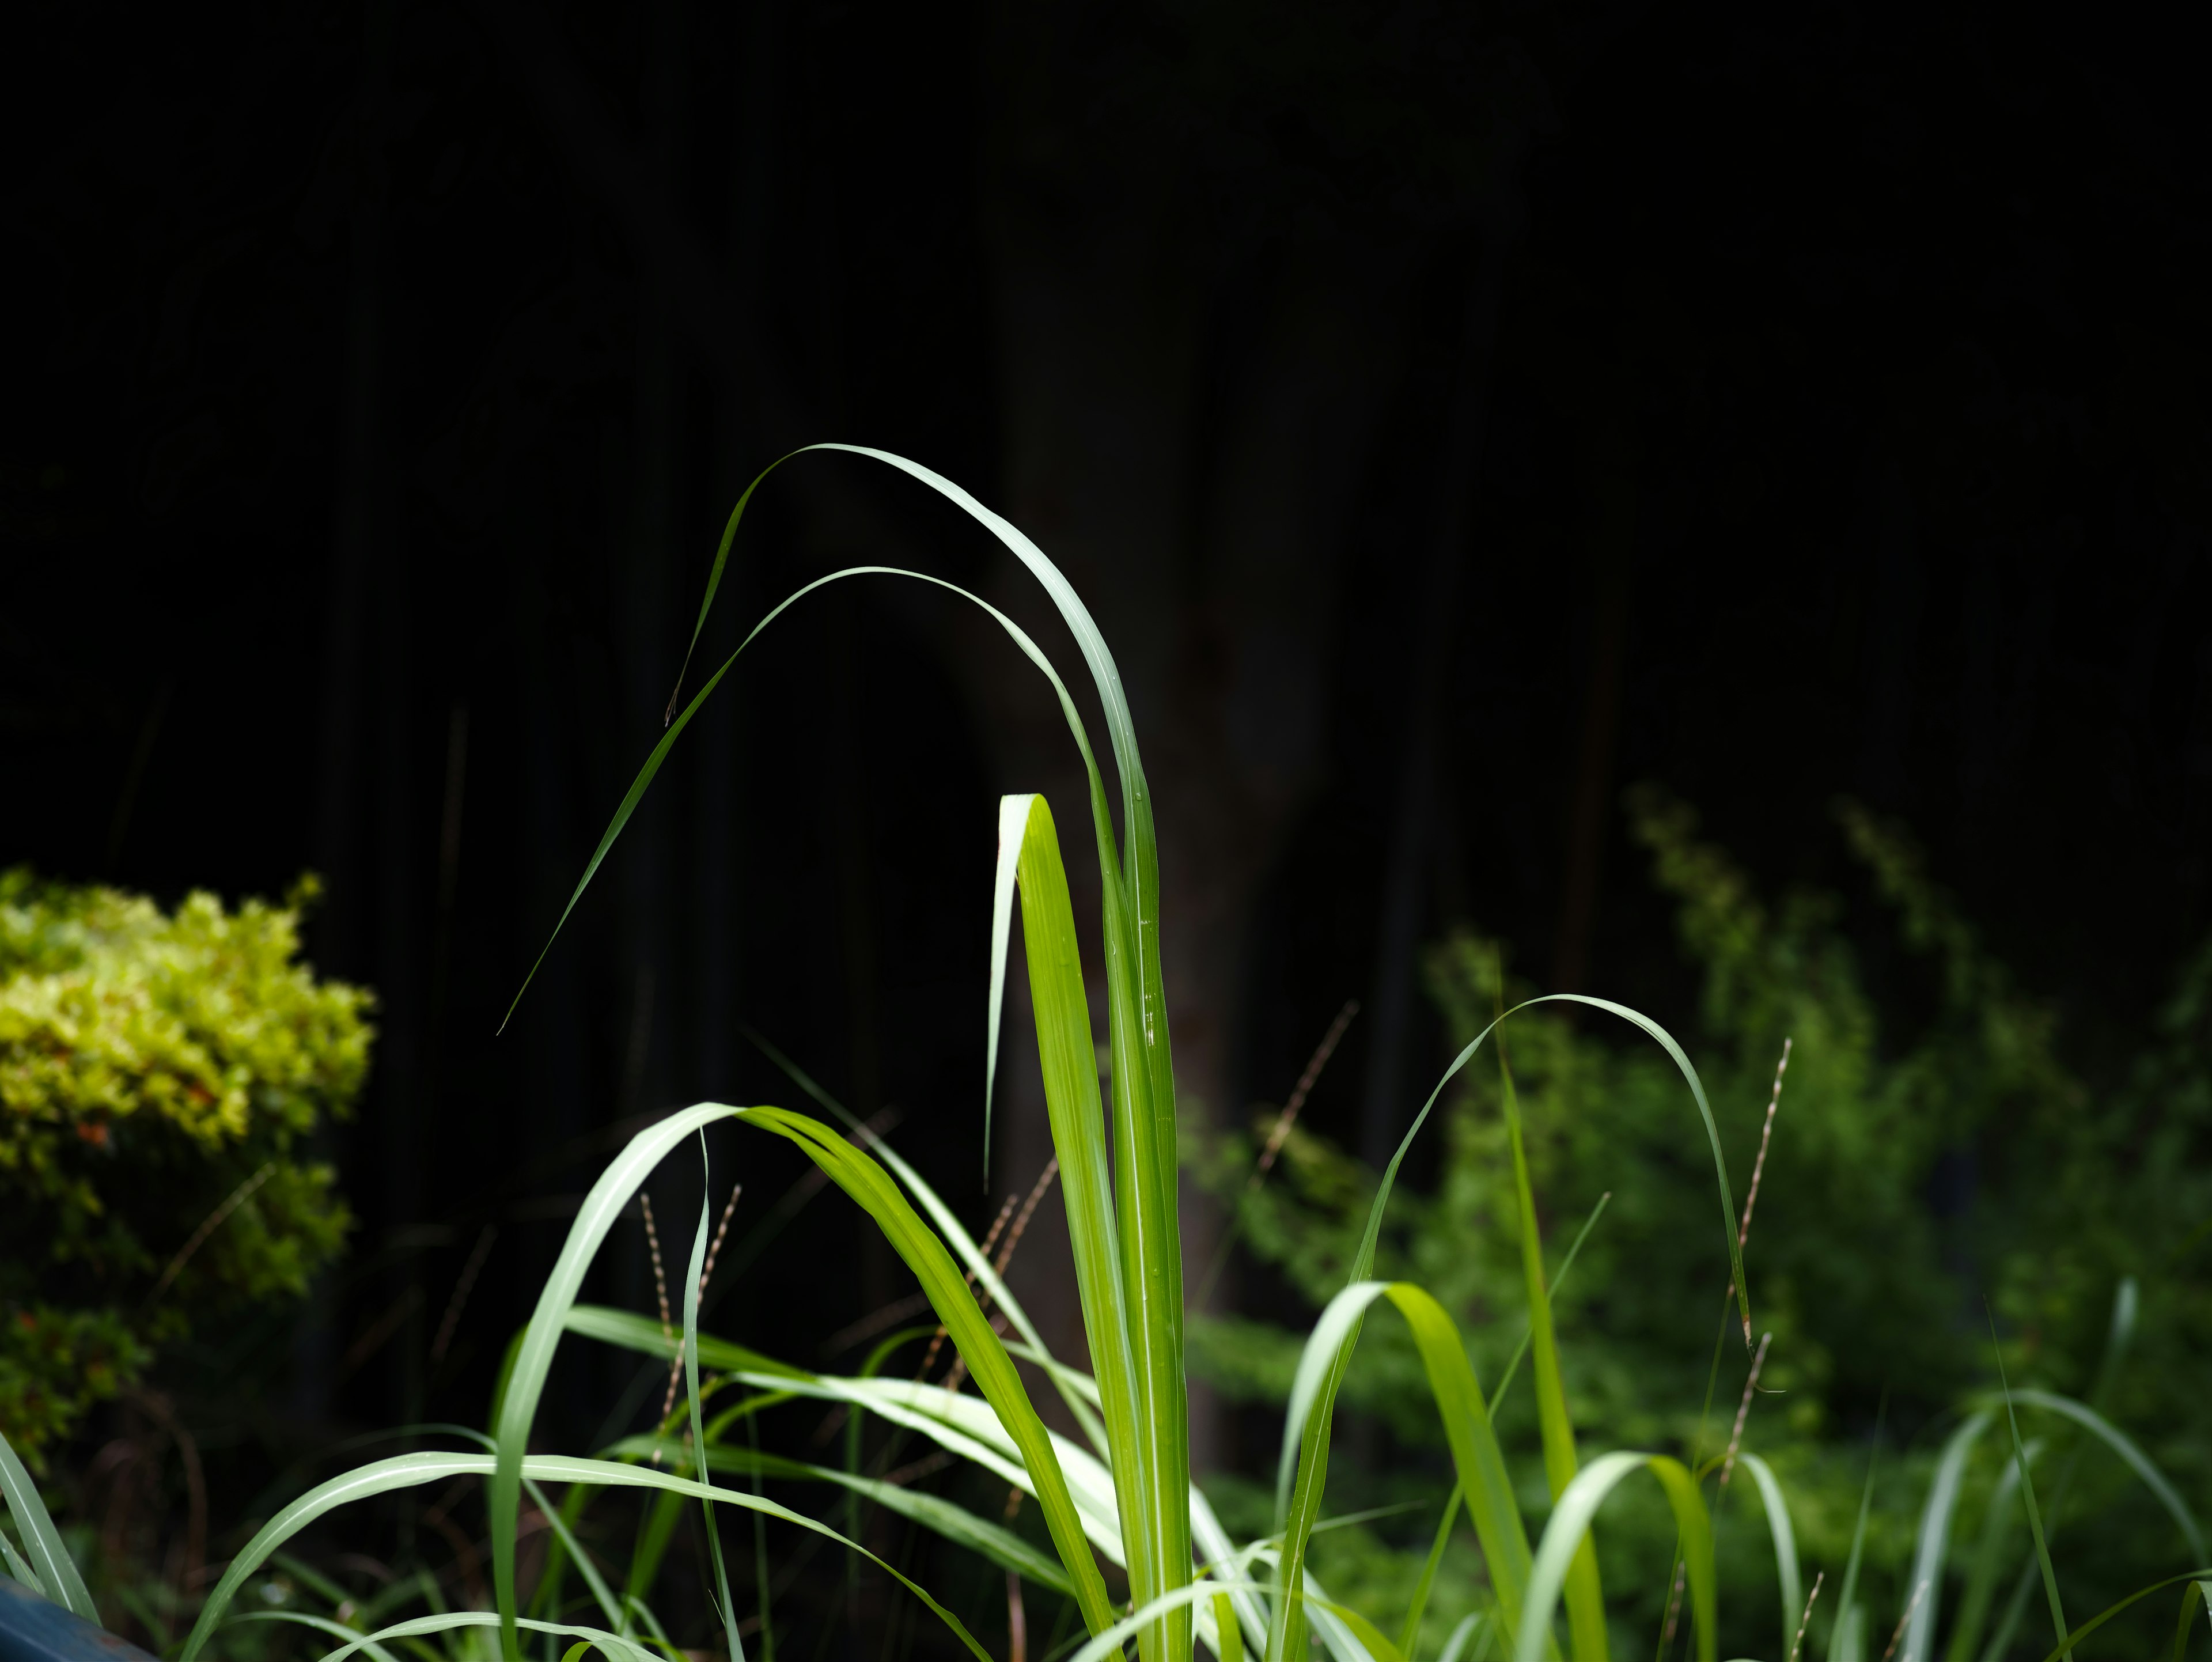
{"type": "Point", "coordinates": [1119, 1491]}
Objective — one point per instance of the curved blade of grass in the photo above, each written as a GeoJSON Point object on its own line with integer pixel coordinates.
{"type": "Point", "coordinates": [1410, 1633]}
{"type": "Point", "coordinates": [2137, 1461]}
{"type": "Point", "coordinates": [859, 1176]}
{"type": "Point", "coordinates": [2067, 1644]}
{"type": "Point", "coordinates": [323, 1624]}
{"type": "Point", "coordinates": [42, 1542]}
{"type": "Point", "coordinates": [632, 1332]}
{"type": "Point", "coordinates": [1933, 1548]}
{"type": "Point", "coordinates": [1368, 1638]}
{"type": "Point", "coordinates": [615, 1644]}
{"type": "Point", "coordinates": [1570, 1527]}
{"type": "Point", "coordinates": [941, 1517]}
{"type": "Point", "coordinates": [1364, 1261]}
{"type": "Point", "coordinates": [1480, 1466]}
{"type": "Point", "coordinates": [1786, 1571]}
{"type": "Point", "coordinates": [1068, 1381]}
{"type": "Point", "coordinates": [601, 1594]}
{"type": "Point", "coordinates": [1464, 1633]}
{"type": "Point", "coordinates": [1585, 1596]}
{"type": "Point", "coordinates": [1143, 1075]}
{"type": "Point", "coordinates": [2190, 1595]}
{"type": "Point", "coordinates": [533, 1357]}
{"type": "Point", "coordinates": [410, 1470]}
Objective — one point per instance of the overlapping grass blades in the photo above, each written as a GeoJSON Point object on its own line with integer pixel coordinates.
{"type": "Point", "coordinates": [1140, 1362]}
{"type": "Point", "coordinates": [45, 1565]}
{"type": "Point", "coordinates": [1128, 1255]}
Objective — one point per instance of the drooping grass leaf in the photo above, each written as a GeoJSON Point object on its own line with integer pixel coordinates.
{"type": "Point", "coordinates": [1569, 1527]}
{"type": "Point", "coordinates": [954, 1523]}
{"type": "Point", "coordinates": [410, 1471]}
{"type": "Point", "coordinates": [1480, 1466]}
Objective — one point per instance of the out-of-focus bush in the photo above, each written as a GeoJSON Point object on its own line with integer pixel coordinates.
{"type": "Point", "coordinates": [160, 1073]}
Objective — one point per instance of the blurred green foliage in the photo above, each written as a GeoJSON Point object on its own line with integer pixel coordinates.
{"type": "Point", "coordinates": [1919, 1166]}
{"type": "Point", "coordinates": [159, 1073]}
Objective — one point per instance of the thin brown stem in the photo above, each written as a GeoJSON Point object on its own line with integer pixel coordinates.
{"type": "Point", "coordinates": [1904, 1621]}
{"type": "Point", "coordinates": [1307, 1081]}
{"type": "Point", "coordinates": [1806, 1620]}
{"type": "Point", "coordinates": [1743, 1408]}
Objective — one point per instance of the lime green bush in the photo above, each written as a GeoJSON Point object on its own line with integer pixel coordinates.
{"type": "Point", "coordinates": [158, 1074]}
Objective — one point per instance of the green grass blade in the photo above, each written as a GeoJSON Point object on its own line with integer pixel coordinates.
{"type": "Point", "coordinates": [2192, 1595]}
{"type": "Point", "coordinates": [866, 1181]}
{"type": "Point", "coordinates": [1151, 1326]}
{"type": "Point", "coordinates": [1363, 1262]}
{"type": "Point", "coordinates": [410, 1471]}
{"type": "Point", "coordinates": [1568, 1528]}
{"type": "Point", "coordinates": [1075, 1388]}
{"type": "Point", "coordinates": [601, 1594]}
{"type": "Point", "coordinates": [1464, 1635]}
{"type": "Point", "coordinates": [1229, 1638]}
{"type": "Point", "coordinates": [1566, 1265]}
{"type": "Point", "coordinates": [1585, 1596]}
{"type": "Point", "coordinates": [1932, 1549]}
{"type": "Point", "coordinates": [1484, 1481]}
{"type": "Point", "coordinates": [533, 1357]}
{"type": "Point", "coordinates": [2137, 1461]}
{"type": "Point", "coordinates": [42, 1542]}
{"type": "Point", "coordinates": [632, 1332]}
{"type": "Point", "coordinates": [943, 1518]}
{"type": "Point", "coordinates": [20, 1569]}
{"type": "Point", "coordinates": [692, 1278]}
{"type": "Point", "coordinates": [1409, 1635]}
{"type": "Point", "coordinates": [1786, 1572]}
{"type": "Point", "coordinates": [1492, 1505]}
{"type": "Point", "coordinates": [323, 1624]}
{"type": "Point", "coordinates": [2027, 1495]}
{"type": "Point", "coordinates": [2066, 1645]}
{"type": "Point", "coordinates": [1847, 1595]}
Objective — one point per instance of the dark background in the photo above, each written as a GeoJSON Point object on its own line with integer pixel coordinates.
{"type": "Point", "coordinates": [1452, 416]}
